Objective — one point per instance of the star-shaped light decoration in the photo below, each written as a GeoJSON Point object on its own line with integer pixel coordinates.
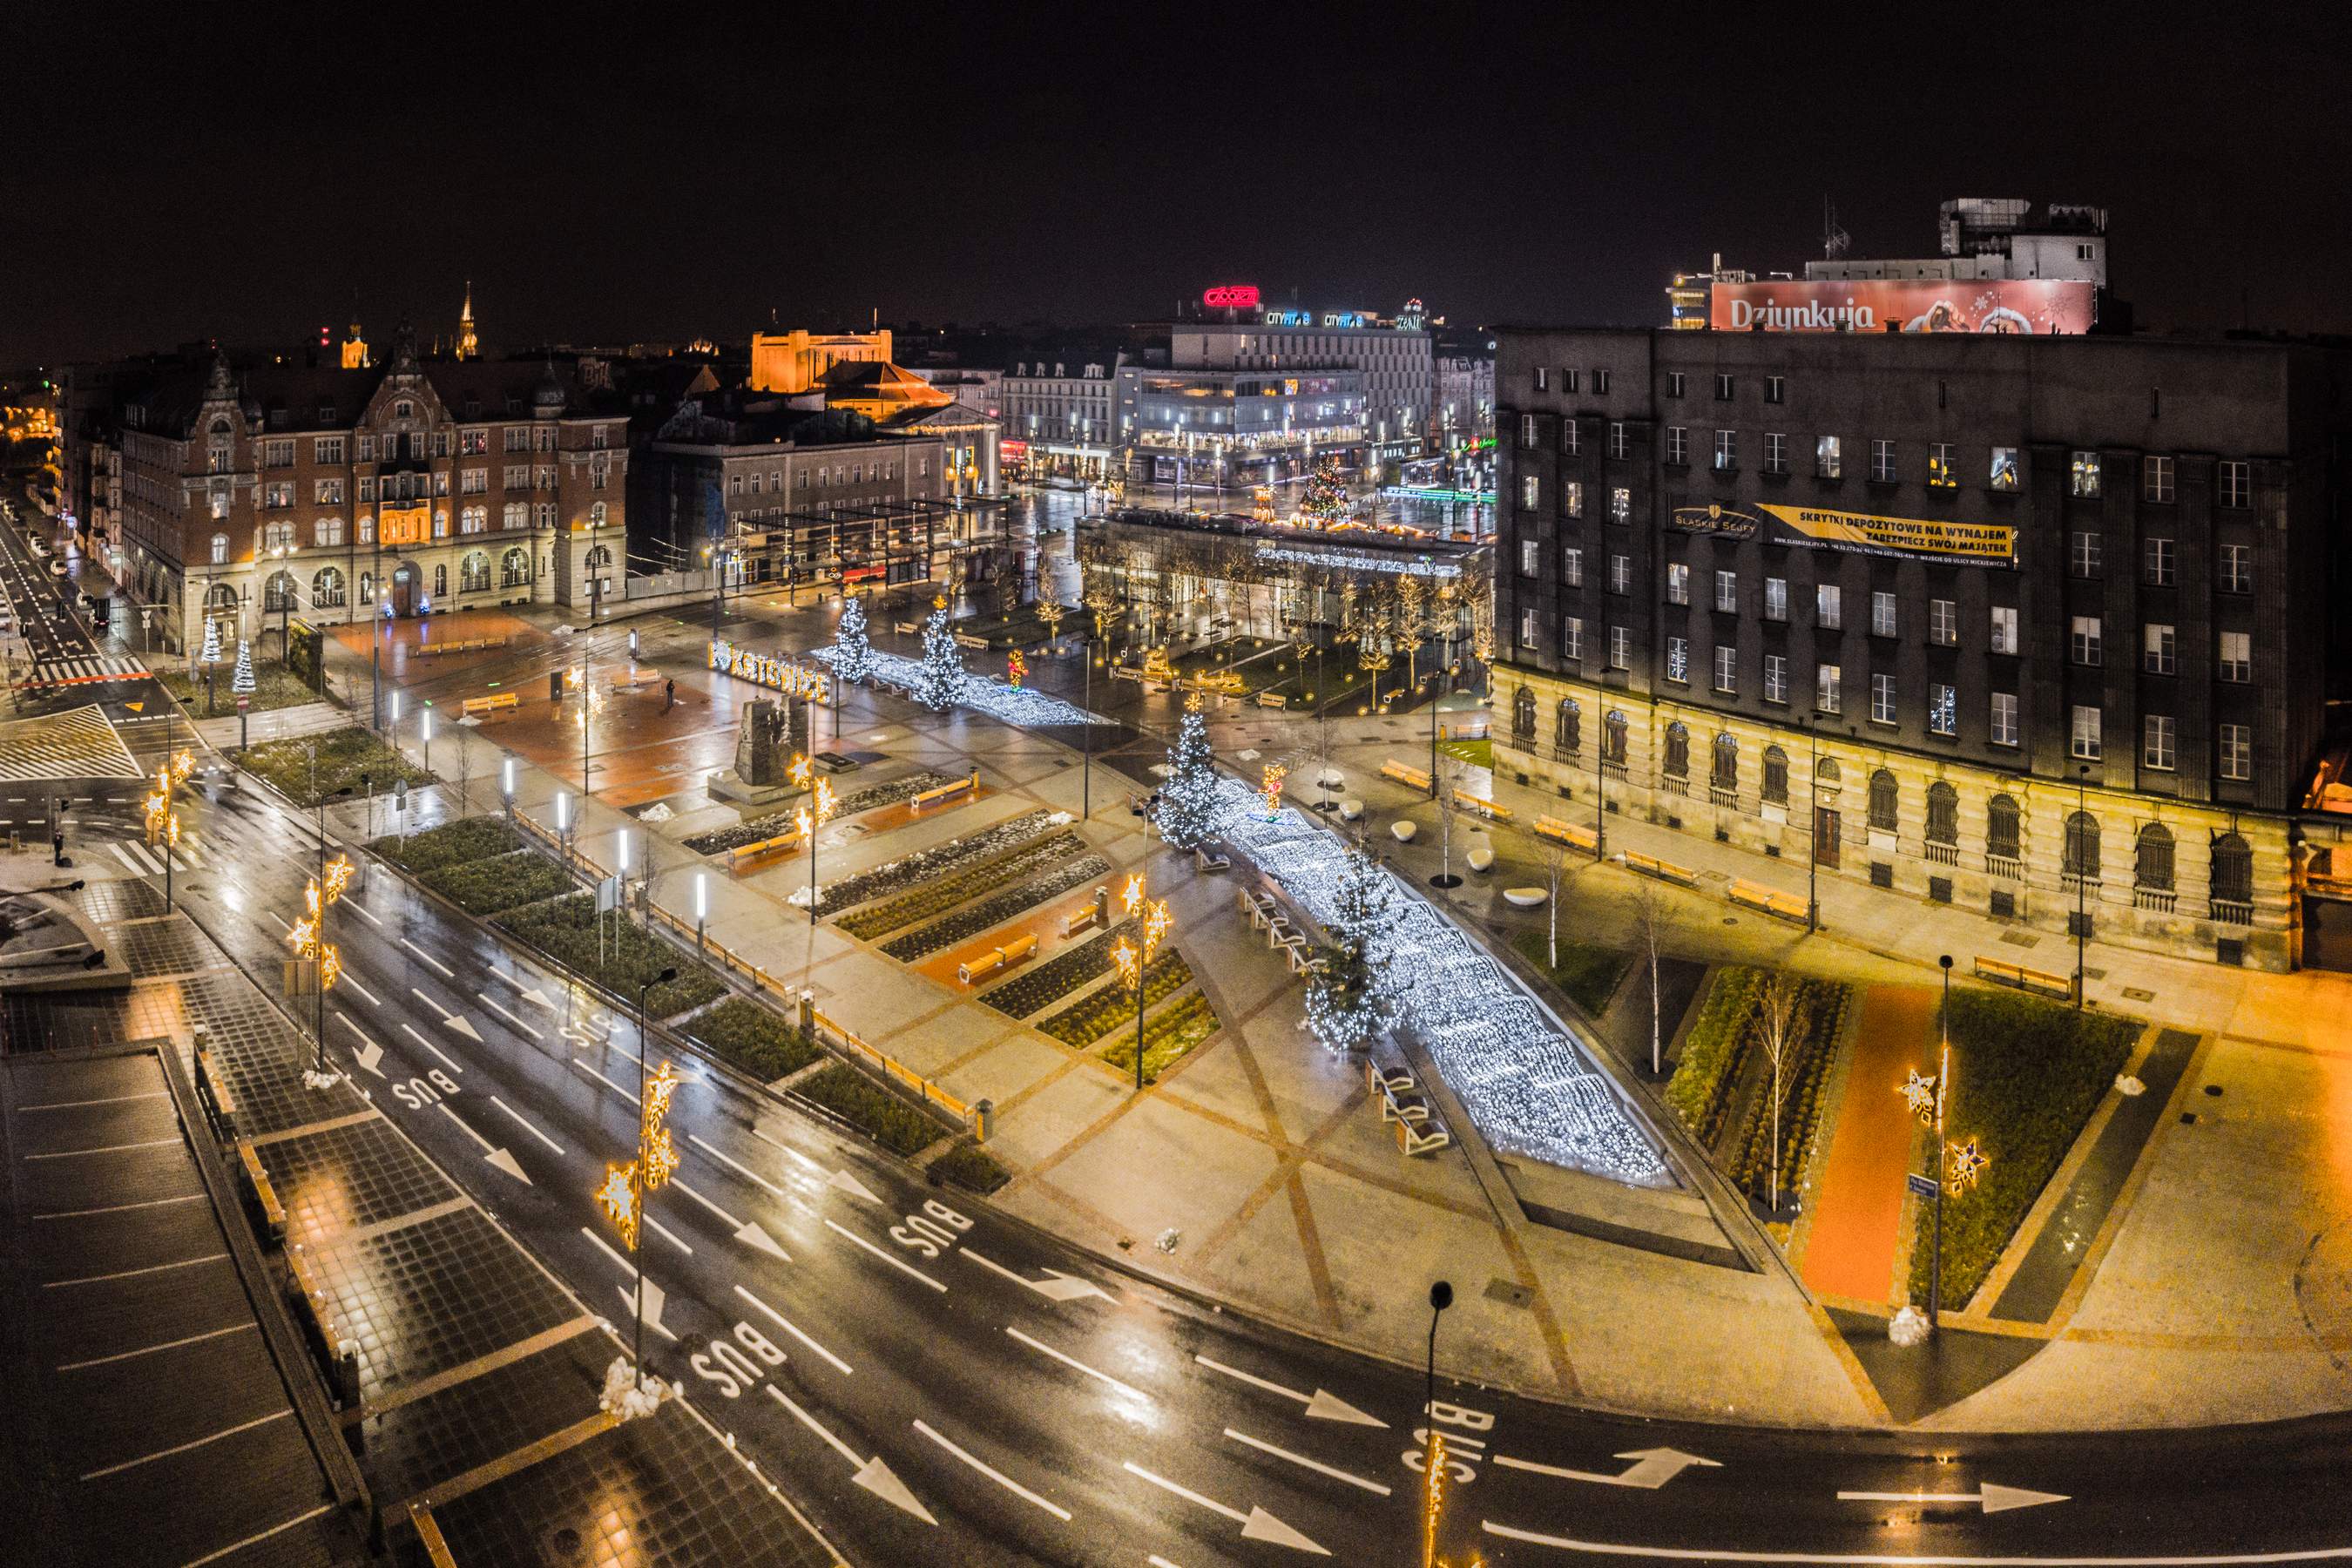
{"type": "Point", "coordinates": [1919, 1094]}
{"type": "Point", "coordinates": [1964, 1162]}
{"type": "Point", "coordinates": [618, 1197]}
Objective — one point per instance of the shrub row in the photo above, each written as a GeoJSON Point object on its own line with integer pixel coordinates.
{"type": "Point", "coordinates": [566, 930]}
{"type": "Point", "coordinates": [1166, 1038]}
{"type": "Point", "coordinates": [342, 757]}
{"type": "Point", "coordinates": [938, 898]}
{"type": "Point", "coordinates": [1057, 977]}
{"type": "Point", "coordinates": [451, 844]}
{"type": "Point", "coordinates": [1086, 1021]}
{"type": "Point", "coordinates": [752, 1037]}
{"type": "Point", "coordinates": [1812, 1039]}
{"type": "Point", "coordinates": [500, 882]}
{"type": "Point", "coordinates": [754, 830]}
{"type": "Point", "coordinates": [924, 864]}
{"type": "Point", "coordinates": [970, 1167]}
{"type": "Point", "coordinates": [1711, 1053]}
{"type": "Point", "coordinates": [867, 1105]}
{"type": "Point", "coordinates": [997, 909]}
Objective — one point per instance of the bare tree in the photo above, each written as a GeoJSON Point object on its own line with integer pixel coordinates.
{"type": "Point", "coordinates": [1776, 1017]}
{"type": "Point", "coordinates": [1449, 773]}
{"type": "Point", "coordinates": [464, 774]}
{"type": "Point", "coordinates": [1552, 856]}
{"type": "Point", "coordinates": [1326, 738]}
{"type": "Point", "coordinates": [1646, 922]}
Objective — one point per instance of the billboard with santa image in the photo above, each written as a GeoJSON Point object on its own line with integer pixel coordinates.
{"type": "Point", "coordinates": [2031, 305]}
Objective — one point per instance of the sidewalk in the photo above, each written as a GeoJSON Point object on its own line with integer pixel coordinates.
{"type": "Point", "coordinates": [1858, 1209]}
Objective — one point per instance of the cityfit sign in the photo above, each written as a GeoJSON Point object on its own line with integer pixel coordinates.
{"type": "Point", "coordinates": [1231, 297]}
{"type": "Point", "coordinates": [2032, 305]}
{"type": "Point", "coordinates": [1311, 318]}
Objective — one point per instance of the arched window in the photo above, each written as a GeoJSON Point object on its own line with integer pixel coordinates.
{"type": "Point", "coordinates": [1825, 771]}
{"type": "Point", "coordinates": [474, 571]}
{"type": "Point", "coordinates": [1523, 716]}
{"type": "Point", "coordinates": [220, 599]}
{"type": "Point", "coordinates": [1677, 751]}
{"type": "Point", "coordinates": [1612, 738]}
{"type": "Point", "coordinates": [2083, 846]}
{"type": "Point", "coordinates": [1568, 726]}
{"type": "Point", "coordinates": [2152, 858]}
{"type": "Point", "coordinates": [1776, 775]}
{"type": "Point", "coordinates": [596, 514]}
{"type": "Point", "coordinates": [1726, 764]}
{"type": "Point", "coordinates": [220, 548]}
{"type": "Point", "coordinates": [280, 594]}
{"type": "Point", "coordinates": [441, 582]}
{"type": "Point", "coordinates": [327, 589]}
{"type": "Point", "coordinates": [600, 560]}
{"type": "Point", "coordinates": [2233, 870]}
{"type": "Point", "coordinates": [514, 569]}
{"type": "Point", "coordinates": [2001, 827]}
{"type": "Point", "coordinates": [1884, 801]}
{"type": "Point", "coordinates": [1943, 814]}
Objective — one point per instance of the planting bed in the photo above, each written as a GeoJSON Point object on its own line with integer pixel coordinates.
{"type": "Point", "coordinates": [1166, 1038]}
{"type": "Point", "coordinates": [777, 822]}
{"type": "Point", "coordinates": [342, 755]}
{"type": "Point", "coordinates": [970, 1167]}
{"type": "Point", "coordinates": [1057, 976]}
{"type": "Point", "coordinates": [752, 1037]}
{"type": "Point", "coordinates": [1587, 975]}
{"type": "Point", "coordinates": [1084, 1021]}
{"type": "Point", "coordinates": [451, 844]}
{"type": "Point", "coordinates": [938, 898]}
{"type": "Point", "coordinates": [924, 864]}
{"type": "Point", "coordinates": [500, 882]}
{"type": "Point", "coordinates": [566, 930]}
{"type": "Point", "coordinates": [996, 909]}
{"type": "Point", "coordinates": [873, 1109]}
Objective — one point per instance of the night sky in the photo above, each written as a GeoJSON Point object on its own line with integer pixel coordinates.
{"type": "Point", "coordinates": [657, 177]}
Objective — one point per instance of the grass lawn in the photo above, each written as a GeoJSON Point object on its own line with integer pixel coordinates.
{"type": "Point", "coordinates": [873, 1109]}
{"type": "Point", "coordinates": [451, 844]}
{"type": "Point", "coordinates": [275, 686]}
{"type": "Point", "coordinates": [500, 882]}
{"type": "Point", "coordinates": [752, 1037]}
{"type": "Point", "coordinates": [566, 930]}
{"type": "Point", "coordinates": [1479, 753]}
{"type": "Point", "coordinates": [342, 756]}
{"type": "Point", "coordinates": [1588, 975]}
{"type": "Point", "coordinates": [2026, 1075]}
{"type": "Point", "coordinates": [970, 1167]}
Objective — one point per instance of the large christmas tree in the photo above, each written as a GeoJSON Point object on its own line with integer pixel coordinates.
{"type": "Point", "coordinates": [1325, 498]}
{"type": "Point", "coordinates": [1188, 800]}
{"type": "Point", "coordinates": [940, 682]}
{"type": "Point", "coordinates": [241, 679]}
{"type": "Point", "coordinates": [852, 656]}
{"type": "Point", "coordinates": [1347, 1000]}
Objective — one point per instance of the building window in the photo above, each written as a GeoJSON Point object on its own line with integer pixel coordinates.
{"type": "Point", "coordinates": [1727, 668]}
{"type": "Point", "coordinates": [2004, 628]}
{"type": "Point", "coordinates": [1939, 466]}
{"type": "Point", "coordinates": [1543, 378]}
{"type": "Point", "coordinates": [328, 531]}
{"type": "Point", "coordinates": [1568, 438]}
{"type": "Point", "coordinates": [2004, 469]}
{"type": "Point", "coordinates": [1827, 463]}
{"type": "Point", "coordinates": [1618, 444]}
{"type": "Point", "coordinates": [1725, 772]}
{"type": "Point", "coordinates": [2152, 858]}
{"type": "Point", "coordinates": [2232, 874]}
{"type": "Point", "coordinates": [1678, 658]}
{"type": "Point", "coordinates": [1776, 775]}
{"type": "Point", "coordinates": [1882, 614]}
{"type": "Point", "coordinates": [1571, 498]}
{"type": "Point", "coordinates": [1523, 716]}
{"type": "Point", "coordinates": [327, 589]}
{"type": "Point", "coordinates": [2156, 649]}
{"type": "Point", "coordinates": [1829, 605]}
{"type": "Point", "coordinates": [1531, 554]}
{"type": "Point", "coordinates": [1826, 688]}
{"type": "Point", "coordinates": [1881, 699]}
{"type": "Point", "coordinates": [1531, 627]}
{"type": "Point", "coordinates": [1621, 574]}
{"type": "Point", "coordinates": [367, 529]}
{"type": "Point", "coordinates": [1943, 622]}
{"type": "Point", "coordinates": [1727, 451]}
{"type": "Point", "coordinates": [1943, 814]}
{"type": "Point", "coordinates": [1723, 388]}
{"type": "Point", "coordinates": [1572, 566]}
{"type": "Point", "coordinates": [2082, 858]}
{"type": "Point", "coordinates": [514, 569]}
{"type": "Point", "coordinates": [2155, 562]}
{"type": "Point", "coordinates": [2235, 486]}
{"type": "Point", "coordinates": [1776, 678]}
{"type": "Point", "coordinates": [2083, 474]}
{"type": "Point", "coordinates": [1675, 382]}
{"type": "Point", "coordinates": [1571, 637]}
{"type": "Point", "coordinates": [2155, 479]}
{"type": "Point", "coordinates": [1775, 389]}
{"type": "Point", "coordinates": [2082, 642]}
{"type": "Point", "coordinates": [2083, 553]}
{"type": "Point", "coordinates": [1776, 598]}
{"type": "Point", "coordinates": [2002, 821]}
{"type": "Point", "coordinates": [1677, 750]}
{"type": "Point", "coordinates": [1677, 446]}
{"type": "Point", "coordinates": [1529, 490]}
{"type": "Point", "coordinates": [1884, 800]}
{"type": "Point", "coordinates": [1526, 432]}
{"type": "Point", "coordinates": [1614, 730]}
{"type": "Point", "coordinates": [1726, 592]}
{"type": "Point", "coordinates": [2237, 658]}
{"type": "Point", "coordinates": [2084, 746]}
{"type": "Point", "coordinates": [1882, 462]}
{"type": "Point", "coordinates": [1776, 452]}
{"type": "Point", "coordinates": [1568, 726]}
{"type": "Point", "coordinates": [1621, 505]}
{"type": "Point", "coordinates": [2158, 746]}
{"type": "Point", "coordinates": [2237, 752]}
{"type": "Point", "coordinates": [2237, 568]}
{"type": "Point", "coordinates": [220, 548]}
{"type": "Point", "coordinates": [2004, 718]}
{"type": "Point", "coordinates": [1600, 380]}
{"type": "Point", "coordinates": [1621, 647]}
{"type": "Point", "coordinates": [1678, 583]}
{"type": "Point", "coordinates": [1943, 708]}
{"type": "Point", "coordinates": [280, 594]}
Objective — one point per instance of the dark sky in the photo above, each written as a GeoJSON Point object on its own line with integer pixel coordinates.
{"type": "Point", "coordinates": [650, 173]}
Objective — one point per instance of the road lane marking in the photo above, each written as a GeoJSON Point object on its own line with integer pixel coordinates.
{"type": "Point", "coordinates": [1257, 1525]}
{"type": "Point", "coordinates": [1321, 1405]}
{"type": "Point", "coordinates": [668, 1235]}
{"type": "Point", "coordinates": [193, 1443]}
{"type": "Point", "coordinates": [107, 1100]}
{"type": "Point", "coordinates": [373, 999]}
{"type": "Point", "coordinates": [1651, 1468]}
{"type": "Point", "coordinates": [787, 1325]}
{"type": "Point", "coordinates": [1889, 1560]}
{"type": "Point", "coordinates": [1055, 1286]}
{"type": "Point", "coordinates": [809, 1421]}
{"type": "Point", "coordinates": [653, 1318]}
{"type": "Point", "coordinates": [788, 1149]}
{"type": "Point", "coordinates": [490, 1152]}
{"type": "Point", "coordinates": [1187, 1493]}
{"type": "Point", "coordinates": [1318, 1466]}
{"type": "Point", "coordinates": [134, 1273]}
{"type": "Point", "coordinates": [526, 1127]}
{"type": "Point", "coordinates": [1077, 1365]}
{"type": "Point", "coordinates": [600, 1078]}
{"type": "Point", "coordinates": [166, 1345]}
{"type": "Point", "coordinates": [107, 1149]}
{"type": "Point", "coordinates": [429, 1046]}
{"type": "Point", "coordinates": [998, 1477]}
{"type": "Point", "coordinates": [898, 1263]}
{"type": "Point", "coordinates": [360, 909]}
{"type": "Point", "coordinates": [121, 1208]}
{"type": "Point", "coordinates": [510, 1018]}
{"type": "Point", "coordinates": [731, 1221]}
{"type": "Point", "coordinates": [738, 1167]}
{"type": "Point", "coordinates": [447, 973]}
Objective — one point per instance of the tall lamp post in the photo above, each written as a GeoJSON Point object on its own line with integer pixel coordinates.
{"type": "Point", "coordinates": [162, 821]}
{"type": "Point", "coordinates": [625, 1188]}
{"type": "Point", "coordinates": [308, 937]}
{"type": "Point", "coordinates": [2077, 841]}
{"type": "Point", "coordinates": [1441, 1296]}
{"type": "Point", "coordinates": [1958, 1165]}
{"type": "Point", "coordinates": [1813, 829]}
{"type": "Point", "coordinates": [1135, 963]}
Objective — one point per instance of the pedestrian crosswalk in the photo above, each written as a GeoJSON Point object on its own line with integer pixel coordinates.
{"type": "Point", "coordinates": [80, 668]}
{"type": "Point", "coordinates": [77, 744]}
{"type": "Point", "coordinates": [147, 861]}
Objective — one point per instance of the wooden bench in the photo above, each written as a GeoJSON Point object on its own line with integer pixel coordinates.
{"type": "Point", "coordinates": [625, 684]}
{"type": "Point", "coordinates": [1567, 833]}
{"type": "Point", "coordinates": [1404, 773]}
{"type": "Point", "coordinates": [997, 958]}
{"type": "Point", "coordinates": [338, 1357]}
{"type": "Point", "coordinates": [742, 852]}
{"type": "Point", "coordinates": [492, 703]}
{"type": "Point", "coordinates": [1491, 810]}
{"type": "Point", "coordinates": [1403, 1106]}
{"type": "Point", "coordinates": [1077, 920]}
{"type": "Point", "coordinates": [965, 639]}
{"type": "Point", "coordinates": [1663, 871]}
{"type": "Point", "coordinates": [1272, 700]}
{"type": "Point", "coordinates": [214, 1093]}
{"type": "Point", "coordinates": [2040, 981]}
{"type": "Point", "coordinates": [467, 644]}
{"type": "Point", "coordinates": [944, 792]}
{"type": "Point", "coordinates": [906, 629]}
{"type": "Point", "coordinates": [1772, 901]}
{"type": "Point", "coordinates": [269, 1215]}
{"type": "Point", "coordinates": [1210, 862]}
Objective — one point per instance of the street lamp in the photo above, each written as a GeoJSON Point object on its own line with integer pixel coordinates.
{"type": "Point", "coordinates": [625, 1188]}
{"type": "Point", "coordinates": [1813, 829]}
{"type": "Point", "coordinates": [425, 727]}
{"type": "Point", "coordinates": [563, 825]}
{"type": "Point", "coordinates": [507, 783]}
{"type": "Point", "coordinates": [701, 906]}
{"type": "Point", "coordinates": [307, 936]}
{"type": "Point", "coordinates": [162, 821]}
{"type": "Point", "coordinates": [1135, 962]}
{"type": "Point", "coordinates": [1441, 1296]}
{"type": "Point", "coordinates": [2077, 840]}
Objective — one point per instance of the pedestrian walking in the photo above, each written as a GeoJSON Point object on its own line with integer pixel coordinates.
{"type": "Point", "coordinates": [669, 695]}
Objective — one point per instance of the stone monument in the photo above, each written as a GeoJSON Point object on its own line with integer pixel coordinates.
{"type": "Point", "coordinates": [765, 743]}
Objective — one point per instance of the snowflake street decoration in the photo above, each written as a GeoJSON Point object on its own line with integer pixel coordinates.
{"type": "Point", "coordinates": [1964, 1164]}
{"type": "Point", "coordinates": [852, 656]}
{"type": "Point", "coordinates": [1531, 1086]}
{"type": "Point", "coordinates": [1919, 1094]}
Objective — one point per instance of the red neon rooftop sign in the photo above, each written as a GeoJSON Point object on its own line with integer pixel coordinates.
{"type": "Point", "coordinates": [1231, 297]}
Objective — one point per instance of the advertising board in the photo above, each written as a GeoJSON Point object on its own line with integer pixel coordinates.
{"type": "Point", "coordinates": [2028, 305]}
{"type": "Point", "coordinates": [1867, 534]}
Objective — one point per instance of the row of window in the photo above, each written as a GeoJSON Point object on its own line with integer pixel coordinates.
{"type": "Point", "coordinates": [283, 593]}
{"type": "Point", "coordinates": [279, 452]}
{"type": "Point", "coordinates": [1776, 388]}
{"type": "Point", "coordinates": [825, 475]}
{"type": "Point", "coordinates": [1571, 379]}
{"type": "Point", "coordinates": [328, 531]}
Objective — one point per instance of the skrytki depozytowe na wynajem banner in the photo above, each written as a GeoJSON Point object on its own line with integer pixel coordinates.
{"type": "Point", "coordinates": [1821, 528]}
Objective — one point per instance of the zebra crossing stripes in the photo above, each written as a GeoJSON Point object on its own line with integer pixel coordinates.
{"type": "Point", "coordinates": [147, 861]}
{"type": "Point", "coordinates": [76, 745]}
{"type": "Point", "coordinates": [83, 668]}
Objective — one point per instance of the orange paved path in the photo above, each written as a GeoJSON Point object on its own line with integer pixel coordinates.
{"type": "Point", "coordinates": [1859, 1213]}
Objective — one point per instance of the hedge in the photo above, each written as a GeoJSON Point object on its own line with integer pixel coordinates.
{"type": "Point", "coordinates": [1166, 1038]}
{"type": "Point", "coordinates": [451, 844]}
{"type": "Point", "coordinates": [1812, 1041]}
{"type": "Point", "coordinates": [1084, 1021]}
{"type": "Point", "coordinates": [938, 898]}
{"type": "Point", "coordinates": [910, 870]}
{"type": "Point", "coordinates": [996, 909]}
{"type": "Point", "coordinates": [487, 886]}
{"type": "Point", "coordinates": [566, 930]}
{"type": "Point", "coordinates": [342, 756]}
{"type": "Point", "coordinates": [754, 830]}
{"type": "Point", "coordinates": [1589, 976]}
{"type": "Point", "coordinates": [1711, 1052]}
{"type": "Point", "coordinates": [1058, 976]}
{"type": "Point", "coordinates": [752, 1037]}
{"type": "Point", "coordinates": [871, 1109]}
{"type": "Point", "coordinates": [2026, 1075]}
{"type": "Point", "coordinates": [971, 1168]}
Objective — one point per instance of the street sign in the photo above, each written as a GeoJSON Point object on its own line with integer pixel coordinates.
{"type": "Point", "coordinates": [1923, 1186]}
{"type": "Point", "coordinates": [608, 895]}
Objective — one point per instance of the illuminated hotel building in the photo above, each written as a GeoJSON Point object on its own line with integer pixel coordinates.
{"type": "Point", "coordinates": [2060, 614]}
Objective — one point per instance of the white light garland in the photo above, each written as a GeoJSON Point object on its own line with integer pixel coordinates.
{"type": "Point", "coordinates": [1532, 1090]}
{"type": "Point", "coordinates": [1021, 706]}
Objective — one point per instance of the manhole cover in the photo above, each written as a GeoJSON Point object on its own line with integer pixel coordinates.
{"type": "Point", "coordinates": [1509, 1292]}
{"type": "Point", "coordinates": [2134, 993]}
{"type": "Point", "coordinates": [2019, 938]}
{"type": "Point", "coordinates": [2095, 974]}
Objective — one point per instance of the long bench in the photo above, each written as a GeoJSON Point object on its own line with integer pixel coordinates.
{"type": "Point", "coordinates": [742, 852]}
{"type": "Point", "coordinates": [965, 639]}
{"type": "Point", "coordinates": [469, 645]}
{"type": "Point", "coordinates": [1404, 1107]}
{"type": "Point", "coordinates": [215, 1094]}
{"type": "Point", "coordinates": [338, 1357]}
{"type": "Point", "coordinates": [948, 791]}
{"type": "Point", "coordinates": [1404, 773]}
{"type": "Point", "coordinates": [997, 959]}
{"type": "Point", "coordinates": [625, 684]}
{"type": "Point", "coordinates": [1567, 833]}
{"type": "Point", "coordinates": [1663, 871]}
{"type": "Point", "coordinates": [1772, 901]}
{"type": "Point", "coordinates": [1272, 700]}
{"type": "Point", "coordinates": [493, 702]}
{"type": "Point", "coordinates": [1494, 810]}
{"type": "Point", "coordinates": [269, 1215]}
{"type": "Point", "coordinates": [2040, 981]}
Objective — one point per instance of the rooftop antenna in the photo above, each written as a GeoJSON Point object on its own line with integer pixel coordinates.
{"type": "Point", "coordinates": [1835, 241]}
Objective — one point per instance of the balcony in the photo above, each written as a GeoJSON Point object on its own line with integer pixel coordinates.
{"type": "Point", "coordinates": [1722, 795]}
{"type": "Point", "coordinates": [1944, 854]}
{"type": "Point", "coordinates": [2234, 911]}
{"type": "Point", "coordinates": [2011, 866]}
{"type": "Point", "coordinates": [2157, 901]}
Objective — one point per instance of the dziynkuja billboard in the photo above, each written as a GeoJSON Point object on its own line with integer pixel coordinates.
{"type": "Point", "coordinates": [2037, 305]}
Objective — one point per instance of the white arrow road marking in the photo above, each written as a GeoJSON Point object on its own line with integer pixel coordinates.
{"type": "Point", "coordinates": [410, 1031]}
{"type": "Point", "coordinates": [851, 1186]}
{"type": "Point", "coordinates": [1993, 1498]}
{"type": "Point", "coordinates": [1055, 1286]}
{"type": "Point", "coordinates": [749, 1235]}
{"type": "Point", "coordinates": [510, 1018]}
{"type": "Point", "coordinates": [1322, 1407]}
{"type": "Point", "coordinates": [737, 1167]}
{"type": "Point", "coordinates": [369, 1053]}
{"type": "Point", "coordinates": [454, 1020]}
{"type": "Point", "coordinates": [1318, 1466]}
{"type": "Point", "coordinates": [490, 1152]}
{"type": "Point", "coordinates": [841, 1180]}
{"type": "Point", "coordinates": [447, 973]}
{"type": "Point", "coordinates": [872, 1474]}
{"type": "Point", "coordinates": [607, 1082]}
{"type": "Point", "coordinates": [359, 908]}
{"type": "Point", "coordinates": [786, 1324]}
{"type": "Point", "coordinates": [1257, 1525]}
{"type": "Point", "coordinates": [1651, 1468]}
{"type": "Point", "coordinates": [528, 993]}
{"type": "Point", "coordinates": [998, 1477]}
{"type": "Point", "coordinates": [655, 1297]}
{"type": "Point", "coordinates": [526, 1127]}
{"type": "Point", "coordinates": [346, 979]}
{"type": "Point", "coordinates": [1077, 1365]}
{"type": "Point", "coordinates": [1875, 1560]}
{"type": "Point", "coordinates": [898, 1263]}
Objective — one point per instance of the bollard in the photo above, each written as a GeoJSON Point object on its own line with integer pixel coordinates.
{"type": "Point", "coordinates": [1102, 908]}
{"type": "Point", "coordinates": [808, 1016]}
{"type": "Point", "coordinates": [983, 1118]}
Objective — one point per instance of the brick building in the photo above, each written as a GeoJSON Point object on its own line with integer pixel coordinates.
{"type": "Point", "coordinates": [2055, 614]}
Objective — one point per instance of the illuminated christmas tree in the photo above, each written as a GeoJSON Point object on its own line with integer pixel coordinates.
{"type": "Point", "coordinates": [1347, 1000]}
{"type": "Point", "coordinates": [211, 654]}
{"type": "Point", "coordinates": [940, 682]}
{"type": "Point", "coordinates": [1188, 800]}
{"type": "Point", "coordinates": [1325, 500]}
{"type": "Point", "coordinates": [241, 682]}
{"type": "Point", "coordinates": [852, 656]}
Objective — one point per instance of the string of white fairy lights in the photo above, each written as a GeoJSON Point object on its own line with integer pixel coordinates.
{"type": "Point", "coordinates": [1020, 705]}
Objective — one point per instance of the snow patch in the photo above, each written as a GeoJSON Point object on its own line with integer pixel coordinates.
{"type": "Point", "coordinates": [1907, 1328]}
